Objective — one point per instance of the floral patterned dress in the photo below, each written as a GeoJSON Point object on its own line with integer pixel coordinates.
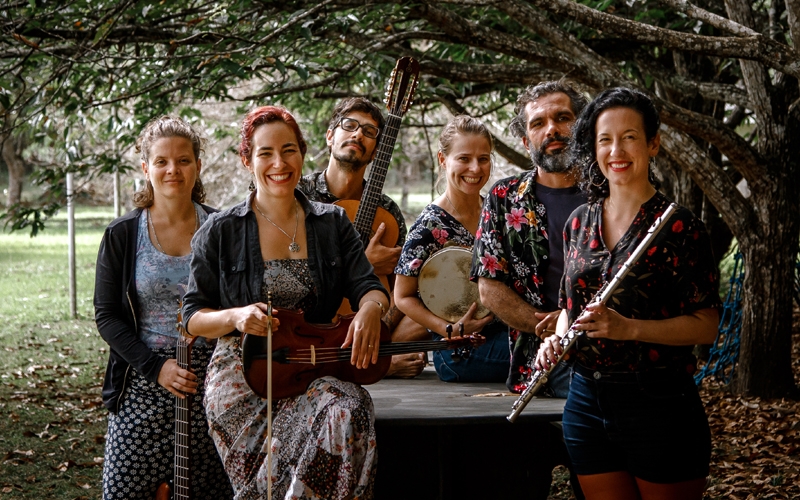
{"type": "Point", "coordinates": [323, 441]}
{"type": "Point", "coordinates": [677, 275]}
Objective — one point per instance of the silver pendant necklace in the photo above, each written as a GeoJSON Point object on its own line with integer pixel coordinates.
{"type": "Point", "coordinates": [155, 235]}
{"type": "Point", "coordinates": [294, 247]}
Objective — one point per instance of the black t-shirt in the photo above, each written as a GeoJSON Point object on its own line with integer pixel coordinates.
{"type": "Point", "coordinates": [559, 204]}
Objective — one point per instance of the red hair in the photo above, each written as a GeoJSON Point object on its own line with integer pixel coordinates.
{"type": "Point", "coordinates": [267, 114]}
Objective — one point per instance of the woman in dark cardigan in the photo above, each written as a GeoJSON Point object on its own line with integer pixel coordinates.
{"type": "Point", "coordinates": [142, 272]}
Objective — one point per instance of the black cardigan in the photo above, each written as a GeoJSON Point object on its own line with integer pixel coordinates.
{"type": "Point", "coordinates": [115, 307]}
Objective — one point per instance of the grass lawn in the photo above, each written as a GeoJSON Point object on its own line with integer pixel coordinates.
{"type": "Point", "coordinates": [52, 365]}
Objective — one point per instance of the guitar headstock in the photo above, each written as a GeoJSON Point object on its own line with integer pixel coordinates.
{"type": "Point", "coordinates": [402, 85]}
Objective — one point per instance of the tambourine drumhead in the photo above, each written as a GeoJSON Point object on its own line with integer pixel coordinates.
{"type": "Point", "coordinates": [444, 284]}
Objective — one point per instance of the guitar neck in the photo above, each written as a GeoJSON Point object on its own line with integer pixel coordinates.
{"type": "Point", "coordinates": [182, 429]}
{"type": "Point", "coordinates": [373, 191]}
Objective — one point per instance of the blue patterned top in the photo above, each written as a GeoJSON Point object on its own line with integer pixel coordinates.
{"type": "Point", "coordinates": [160, 283]}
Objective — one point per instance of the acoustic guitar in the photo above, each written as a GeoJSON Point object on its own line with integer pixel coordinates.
{"type": "Point", "coordinates": [179, 487]}
{"type": "Point", "coordinates": [303, 352]}
{"type": "Point", "coordinates": [367, 214]}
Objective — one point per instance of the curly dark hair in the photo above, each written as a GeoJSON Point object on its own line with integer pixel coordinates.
{"type": "Point", "coordinates": [582, 149]}
{"type": "Point", "coordinates": [518, 127]}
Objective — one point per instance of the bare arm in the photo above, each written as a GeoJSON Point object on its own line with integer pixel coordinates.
{"type": "Point", "coordinates": [365, 330]}
{"type": "Point", "coordinates": [511, 308]}
{"type": "Point", "coordinates": [213, 323]}
{"type": "Point", "coordinates": [598, 321]}
{"type": "Point", "coordinates": [699, 327]}
{"type": "Point", "coordinates": [405, 296]}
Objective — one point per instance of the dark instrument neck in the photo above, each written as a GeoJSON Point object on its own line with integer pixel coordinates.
{"type": "Point", "coordinates": [373, 191]}
{"type": "Point", "coordinates": [182, 428]}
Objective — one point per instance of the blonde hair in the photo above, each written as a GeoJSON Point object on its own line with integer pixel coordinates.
{"type": "Point", "coordinates": [463, 125]}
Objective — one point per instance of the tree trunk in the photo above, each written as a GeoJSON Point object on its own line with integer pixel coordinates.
{"type": "Point", "coordinates": [16, 170]}
{"type": "Point", "coordinates": [765, 367]}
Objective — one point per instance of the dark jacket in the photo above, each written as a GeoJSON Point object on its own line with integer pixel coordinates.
{"type": "Point", "coordinates": [227, 267]}
{"type": "Point", "coordinates": [116, 306]}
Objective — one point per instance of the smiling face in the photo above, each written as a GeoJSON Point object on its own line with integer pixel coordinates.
{"type": "Point", "coordinates": [547, 131]}
{"type": "Point", "coordinates": [467, 164]}
{"type": "Point", "coordinates": [352, 150]}
{"type": "Point", "coordinates": [622, 149]}
{"type": "Point", "coordinates": [276, 160]}
{"type": "Point", "coordinates": [172, 168]}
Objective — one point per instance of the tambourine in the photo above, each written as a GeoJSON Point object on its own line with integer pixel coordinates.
{"type": "Point", "coordinates": [444, 284]}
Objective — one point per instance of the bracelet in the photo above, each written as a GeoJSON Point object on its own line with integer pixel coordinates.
{"type": "Point", "coordinates": [383, 309]}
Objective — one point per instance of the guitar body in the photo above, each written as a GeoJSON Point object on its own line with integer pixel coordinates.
{"type": "Point", "coordinates": [164, 492]}
{"type": "Point", "coordinates": [389, 238]}
{"type": "Point", "coordinates": [294, 366]}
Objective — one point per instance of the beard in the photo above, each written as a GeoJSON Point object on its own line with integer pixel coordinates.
{"type": "Point", "coordinates": [348, 159]}
{"type": "Point", "coordinates": [557, 162]}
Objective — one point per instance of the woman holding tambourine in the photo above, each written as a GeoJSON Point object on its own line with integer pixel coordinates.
{"type": "Point", "coordinates": [465, 156]}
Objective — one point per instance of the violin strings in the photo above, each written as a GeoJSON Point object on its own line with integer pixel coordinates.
{"type": "Point", "coordinates": [335, 354]}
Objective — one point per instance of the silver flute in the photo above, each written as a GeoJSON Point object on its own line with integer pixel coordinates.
{"type": "Point", "coordinates": [539, 377]}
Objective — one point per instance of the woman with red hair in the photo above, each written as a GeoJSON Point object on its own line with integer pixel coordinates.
{"type": "Point", "coordinates": [277, 242]}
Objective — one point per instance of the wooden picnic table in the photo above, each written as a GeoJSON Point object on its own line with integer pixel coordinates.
{"type": "Point", "coordinates": [442, 441]}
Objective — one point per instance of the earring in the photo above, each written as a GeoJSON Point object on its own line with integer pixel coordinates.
{"type": "Point", "coordinates": [652, 163]}
{"type": "Point", "coordinates": [252, 186]}
{"type": "Point", "coordinates": [592, 176]}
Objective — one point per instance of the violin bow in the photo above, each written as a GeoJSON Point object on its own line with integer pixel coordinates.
{"type": "Point", "coordinates": [269, 396]}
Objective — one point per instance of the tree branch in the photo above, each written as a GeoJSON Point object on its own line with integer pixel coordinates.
{"type": "Point", "coordinates": [729, 143]}
{"type": "Point", "coordinates": [517, 74]}
{"type": "Point", "coordinates": [709, 18]}
{"type": "Point", "coordinates": [735, 210]}
{"type": "Point", "coordinates": [501, 147]}
{"type": "Point", "coordinates": [756, 78]}
{"type": "Point", "coordinates": [464, 31]}
{"type": "Point", "coordinates": [793, 19]}
{"type": "Point", "coordinates": [755, 48]}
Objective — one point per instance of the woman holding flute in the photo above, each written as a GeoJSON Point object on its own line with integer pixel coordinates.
{"type": "Point", "coordinates": [634, 424]}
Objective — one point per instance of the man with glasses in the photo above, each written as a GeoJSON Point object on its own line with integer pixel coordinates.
{"type": "Point", "coordinates": [352, 137]}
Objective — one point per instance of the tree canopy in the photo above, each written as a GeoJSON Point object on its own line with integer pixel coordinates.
{"type": "Point", "coordinates": [81, 75]}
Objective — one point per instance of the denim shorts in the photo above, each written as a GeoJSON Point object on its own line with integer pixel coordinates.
{"type": "Point", "coordinates": [649, 424]}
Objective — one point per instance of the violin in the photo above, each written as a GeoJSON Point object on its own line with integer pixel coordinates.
{"type": "Point", "coordinates": [303, 352]}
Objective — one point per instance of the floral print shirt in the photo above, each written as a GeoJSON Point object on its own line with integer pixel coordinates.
{"type": "Point", "coordinates": [675, 276]}
{"type": "Point", "coordinates": [511, 243]}
{"type": "Point", "coordinates": [511, 246]}
{"type": "Point", "coordinates": [434, 229]}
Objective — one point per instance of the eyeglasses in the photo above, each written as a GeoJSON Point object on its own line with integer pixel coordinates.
{"type": "Point", "coordinates": [351, 125]}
